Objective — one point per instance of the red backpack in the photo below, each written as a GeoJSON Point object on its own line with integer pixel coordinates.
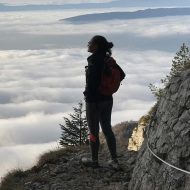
{"type": "Point", "coordinates": [111, 78]}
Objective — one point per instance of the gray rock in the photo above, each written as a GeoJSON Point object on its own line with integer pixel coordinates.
{"type": "Point", "coordinates": [169, 138]}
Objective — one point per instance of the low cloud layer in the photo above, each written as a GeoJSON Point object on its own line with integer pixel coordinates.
{"type": "Point", "coordinates": [39, 87]}
{"type": "Point", "coordinates": [22, 156]}
{"type": "Point", "coordinates": [44, 30]}
{"type": "Point", "coordinates": [32, 128]}
{"type": "Point", "coordinates": [47, 23]}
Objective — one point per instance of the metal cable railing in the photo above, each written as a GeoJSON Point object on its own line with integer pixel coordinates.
{"type": "Point", "coordinates": [156, 156]}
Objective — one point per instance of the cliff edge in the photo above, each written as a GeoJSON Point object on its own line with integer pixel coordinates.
{"type": "Point", "coordinates": [168, 137]}
{"type": "Point", "coordinates": [61, 169]}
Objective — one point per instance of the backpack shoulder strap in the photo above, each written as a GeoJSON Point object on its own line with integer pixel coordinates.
{"type": "Point", "coordinates": [111, 61]}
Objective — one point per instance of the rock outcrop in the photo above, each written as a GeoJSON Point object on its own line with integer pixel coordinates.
{"type": "Point", "coordinates": [137, 137]}
{"type": "Point", "coordinates": [168, 137]}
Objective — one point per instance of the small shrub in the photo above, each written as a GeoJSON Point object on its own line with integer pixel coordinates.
{"type": "Point", "coordinates": [52, 156]}
{"type": "Point", "coordinates": [13, 180]}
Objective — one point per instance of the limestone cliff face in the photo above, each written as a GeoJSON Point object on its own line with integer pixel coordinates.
{"type": "Point", "coordinates": [137, 137]}
{"type": "Point", "coordinates": [169, 138]}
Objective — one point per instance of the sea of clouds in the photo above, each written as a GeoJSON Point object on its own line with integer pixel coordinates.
{"type": "Point", "coordinates": [42, 62]}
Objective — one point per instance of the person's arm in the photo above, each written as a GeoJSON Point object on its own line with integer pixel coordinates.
{"type": "Point", "coordinates": [94, 75]}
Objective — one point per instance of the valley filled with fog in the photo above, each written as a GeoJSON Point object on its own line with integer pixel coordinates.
{"type": "Point", "coordinates": [42, 61]}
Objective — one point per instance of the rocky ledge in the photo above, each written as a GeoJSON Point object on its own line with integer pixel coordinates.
{"type": "Point", "coordinates": [67, 173]}
{"type": "Point", "coordinates": [62, 170]}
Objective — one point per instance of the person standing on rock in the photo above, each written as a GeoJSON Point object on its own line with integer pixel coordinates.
{"type": "Point", "coordinates": [99, 104]}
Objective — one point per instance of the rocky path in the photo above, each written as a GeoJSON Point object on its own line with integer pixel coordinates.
{"type": "Point", "coordinates": [66, 173]}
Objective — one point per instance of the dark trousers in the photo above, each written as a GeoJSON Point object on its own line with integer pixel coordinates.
{"type": "Point", "coordinates": [100, 112]}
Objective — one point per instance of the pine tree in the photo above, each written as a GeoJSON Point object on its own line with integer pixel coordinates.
{"type": "Point", "coordinates": [75, 131]}
{"type": "Point", "coordinates": [180, 62]}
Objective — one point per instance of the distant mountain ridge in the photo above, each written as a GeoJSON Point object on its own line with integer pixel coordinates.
{"type": "Point", "coordinates": [147, 13]}
{"type": "Point", "coordinates": [5, 7]}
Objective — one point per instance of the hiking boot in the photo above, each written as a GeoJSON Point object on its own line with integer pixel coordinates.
{"type": "Point", "coordinates": [89, 163]}
{"type": "Point", "coordinates": [114, 164]}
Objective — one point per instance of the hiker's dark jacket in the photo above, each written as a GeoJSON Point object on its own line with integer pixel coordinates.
{"type": "Point", "coordinates": [93, 78]}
